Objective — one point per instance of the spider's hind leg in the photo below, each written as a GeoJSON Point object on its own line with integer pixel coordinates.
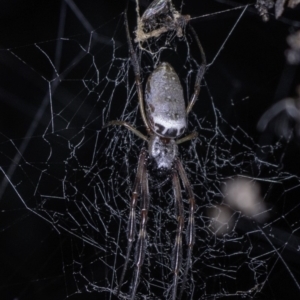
{"type": "Point", "coordinates": [200, 73]}
{"type": "Point", "coordinates": [129, 127]}
{"type": "Point", "coordinates": [137, 72]}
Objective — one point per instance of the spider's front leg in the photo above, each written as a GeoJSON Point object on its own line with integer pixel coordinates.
{"type": "Point", "coordinates": [141, 242]}
{"type": "Point", "coordinates": [138, 188]}
{"type": "Point", "coordinates": [177, 250]}
{"type": "Point", "coordinates": [190, 230]}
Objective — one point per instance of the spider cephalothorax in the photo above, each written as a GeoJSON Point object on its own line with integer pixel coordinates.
{"type": "Point", "coordinates": [163, 151]}
{"type": "Point", "coordinates": [164, 115]}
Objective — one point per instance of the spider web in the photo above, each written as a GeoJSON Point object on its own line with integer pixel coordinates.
{"type": "Point", "coordinates": [67, 180]}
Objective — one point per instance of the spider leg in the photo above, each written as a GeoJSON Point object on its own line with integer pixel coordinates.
{"type": "Point", "coordinates": [187, 138]}
{"type": "Point", "coordinates": [137, 72]}
{"type": "Point", "coordinates": [177, 251]}
{"type": "Point", "coordinates": [129, 127]}
{"type": "Point", "coordinates": [200, 73]}
{"type": "Point", "coordinates": [141, 242]}
{"type": "Point", "coordinates": [190, 230]}
{"type": "Point", "coordinates": [131, 227]}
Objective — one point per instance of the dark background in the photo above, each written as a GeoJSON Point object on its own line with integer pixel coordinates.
{"type": "Point", "coordinates": [251, 72]}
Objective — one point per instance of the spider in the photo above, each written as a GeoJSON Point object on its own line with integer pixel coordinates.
{"type": "Point", "coordinates": [165, 117]}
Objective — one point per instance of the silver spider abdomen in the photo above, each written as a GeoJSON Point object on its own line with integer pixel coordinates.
{"type": "Point", "coordinates": [164, 101]}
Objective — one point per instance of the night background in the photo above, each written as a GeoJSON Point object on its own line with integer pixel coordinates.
{"type": "Point", "coordinates": [66, 181]}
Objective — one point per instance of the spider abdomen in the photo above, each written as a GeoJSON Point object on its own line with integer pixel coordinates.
{"type": "Point", "coordinates": [164, 101]}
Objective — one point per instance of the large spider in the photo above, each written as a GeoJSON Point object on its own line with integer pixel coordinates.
{"type": "Point", "coordinates": [165, 119]}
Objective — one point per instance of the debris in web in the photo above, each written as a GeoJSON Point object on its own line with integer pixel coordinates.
{"type": "Point", "coordinates": [161, 16]}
